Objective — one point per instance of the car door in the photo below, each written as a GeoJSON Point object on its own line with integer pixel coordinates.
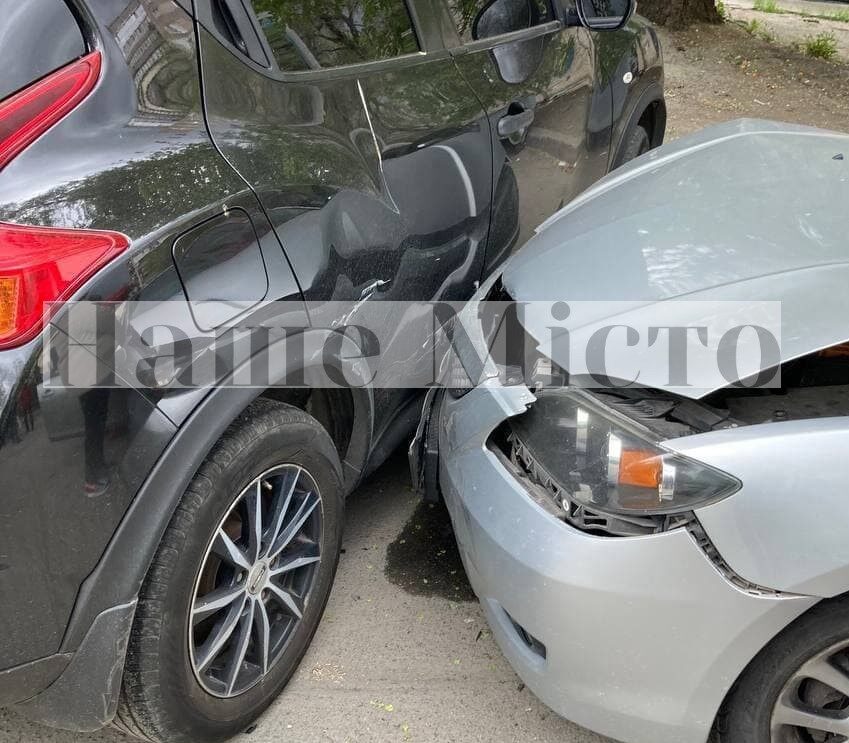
{"type": "Point", "coordinates": [366, 146]}
{"type": "Point", "coordinates": [534, 74]}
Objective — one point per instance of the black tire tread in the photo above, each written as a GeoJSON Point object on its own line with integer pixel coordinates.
{"type": "Point", "coordinates": [638, 137]}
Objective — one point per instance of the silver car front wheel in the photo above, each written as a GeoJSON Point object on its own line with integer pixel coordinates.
{"type": "Point", "coordinates": [813, 706]}
{"type": "Point", "coordinates": [797, 689]}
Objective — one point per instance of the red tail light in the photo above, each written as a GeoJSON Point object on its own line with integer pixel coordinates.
{"type": "Point", "coordinates": [27, 115]}
{"type": "Point", "coordinates": [42, 265]}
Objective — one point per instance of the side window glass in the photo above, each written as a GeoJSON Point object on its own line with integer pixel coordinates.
{"type": "Point", "coordinates": [331, 33]}
{"type": "Point", "coordinates": [483, 19]}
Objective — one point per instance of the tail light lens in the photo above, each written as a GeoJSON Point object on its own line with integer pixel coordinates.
{"type": "Point", "coordinates": [27, 115]}
{"type": "Point", "coordinates": [42, 266]}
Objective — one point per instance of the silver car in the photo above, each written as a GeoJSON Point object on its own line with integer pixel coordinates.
{"type": "Point", "coordinates": [720, 605]}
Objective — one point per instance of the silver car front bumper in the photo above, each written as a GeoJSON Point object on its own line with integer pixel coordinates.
{"type": "Point", "coordinates": [635, 638]}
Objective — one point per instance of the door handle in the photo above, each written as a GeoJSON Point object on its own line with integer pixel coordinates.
{"type": "Point", "coordinates": [514, 126]}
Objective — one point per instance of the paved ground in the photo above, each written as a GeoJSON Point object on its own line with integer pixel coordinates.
{"type": "Point", "coordinates": [717, 73]}
{"type": "Point", "coordinates": [796, 6]}
{"type": "Point", "coordinates": [403, 653]}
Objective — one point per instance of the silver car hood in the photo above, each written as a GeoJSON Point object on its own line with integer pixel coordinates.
{"type": "Point", "coordinates": [749, 210]}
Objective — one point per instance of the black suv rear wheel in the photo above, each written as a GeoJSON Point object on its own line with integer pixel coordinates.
{"type": "Point", "coordinates": [239, 582]}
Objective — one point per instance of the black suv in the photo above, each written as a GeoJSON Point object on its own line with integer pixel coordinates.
{"type": "Point", "coordinates": [166, 552]}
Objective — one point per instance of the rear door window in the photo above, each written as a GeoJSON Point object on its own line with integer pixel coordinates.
{"type": "Point", "coordinates": [328, 33]}
{"type": "Point", "coordinates": [36, 37]}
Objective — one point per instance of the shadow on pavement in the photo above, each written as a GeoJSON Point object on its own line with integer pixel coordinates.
{"type": "Point", "coordinates": [423, 559]}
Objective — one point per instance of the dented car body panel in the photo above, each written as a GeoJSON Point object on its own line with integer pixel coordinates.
{"type": "Point", "coordinates": [249, 184]}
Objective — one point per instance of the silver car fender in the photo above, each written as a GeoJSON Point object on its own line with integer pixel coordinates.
{"type": "Point", "coordinates": [788, 527]}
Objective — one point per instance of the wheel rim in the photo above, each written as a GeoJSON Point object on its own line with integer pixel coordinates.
{"type": "Point", "coordinates": [255, 581]}
{"type": "Point", "coordinates": [813, 706]}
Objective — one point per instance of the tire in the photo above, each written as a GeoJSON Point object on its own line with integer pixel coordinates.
{"type": "Point", "coordinates": [787, 670]}
{"type": "Point", "coordinates": [165, 696]}
{"type": "Point", "coordinates": [638, 143]}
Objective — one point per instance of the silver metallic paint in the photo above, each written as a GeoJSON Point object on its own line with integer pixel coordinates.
{"type": "Point", "coordinates": [749, 210]}
{"type": "Point", "coordinates": [644, 636]}
{"type": "Point", "coordinates": [788, 527]}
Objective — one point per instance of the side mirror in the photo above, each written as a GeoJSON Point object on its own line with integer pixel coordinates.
{"type": "Point", "coordinates": [606, 15]}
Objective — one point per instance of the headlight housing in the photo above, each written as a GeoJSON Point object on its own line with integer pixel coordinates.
{"type": "Point", "coordinates": [610, 463]}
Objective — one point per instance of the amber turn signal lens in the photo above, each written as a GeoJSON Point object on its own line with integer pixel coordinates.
{"type": "Point", "coordinates": [8, 304]}
{"type": "Point", "coordinates": [640, 468]}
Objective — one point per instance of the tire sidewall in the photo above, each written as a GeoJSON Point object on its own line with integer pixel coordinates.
{"type": "Point", "coordinates": [747, 713]}
{"type": "Point", "coordinates": [218, 485]}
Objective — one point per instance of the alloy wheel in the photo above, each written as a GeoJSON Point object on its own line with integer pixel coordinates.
{"type": "Point", "coordinates": [813, 706]}
{"type": "Point", "coordinates": [255, 581]}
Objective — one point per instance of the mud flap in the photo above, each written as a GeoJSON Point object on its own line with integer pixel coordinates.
{"type": "Point", "coordinates": [84, 698]}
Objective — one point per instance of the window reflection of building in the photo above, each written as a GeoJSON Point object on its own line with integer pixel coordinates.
{"type": "Point", "coordinates": [157, 40]}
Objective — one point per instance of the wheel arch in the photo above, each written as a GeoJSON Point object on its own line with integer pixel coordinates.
{"type": "Point", "coordinates": [111, 589]}
{"type": "Point", "coordinates": [346, 412]}
{"type": "Point", "coordinates": [653, 120]}
{"type": "Point", "coordinates": [823, 605]}
{"type": "Point", "coordinates": [648, 109]}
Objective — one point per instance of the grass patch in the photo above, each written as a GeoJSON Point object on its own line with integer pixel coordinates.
{"type": "Point", "coordinates": [841, 16]}
{"type": "Point", "coordinates": [723, 11]}
{"type": "Point", "coordinates": [767, 6]}
{"type": "Point", "coordinates": [822, 46]}
{"type": "Point", "coordinates": [759, 30]}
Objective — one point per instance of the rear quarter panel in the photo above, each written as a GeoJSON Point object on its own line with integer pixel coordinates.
{"type": "Point", "coordinates": [135, 158]}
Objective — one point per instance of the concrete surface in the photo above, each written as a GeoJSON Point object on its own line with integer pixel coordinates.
{"type": "Point", "coordinates": [403, 652]}
{"type": "Point", "coordinates": [823, 7]}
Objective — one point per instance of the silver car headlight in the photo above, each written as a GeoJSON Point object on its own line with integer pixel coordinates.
{"type": "Point", "coordinates": [610, 463]}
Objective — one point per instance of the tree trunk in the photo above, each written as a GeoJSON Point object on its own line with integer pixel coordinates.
{"type": "Point", "coordinates": [677, 13]}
